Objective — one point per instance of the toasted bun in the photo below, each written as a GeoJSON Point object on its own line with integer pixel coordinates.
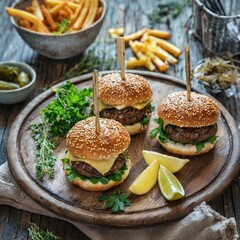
{"type": "Point", "coordinates": [200, 111]}
{"type": "Point", "coordinates": [187, 149]}
{"type": "Point", "coordinates": [88, 185]}
{"type": "Point", "coordinates": [83, 142]}
{"type": "Point", "coordinates": [114, 91]}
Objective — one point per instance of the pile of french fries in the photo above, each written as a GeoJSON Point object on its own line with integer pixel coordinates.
{"type": "Point", "coordinates": [52, 14]}
{"type": "Point", "coordinates": [152, 50]}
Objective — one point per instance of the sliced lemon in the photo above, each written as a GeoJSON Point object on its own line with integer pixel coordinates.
{"type": "Point", "coordinates": [169, 185]}
{"type": "Point", "coordinates": [173, 164]}
{"type": "Point", "coordinates": [146, 180]}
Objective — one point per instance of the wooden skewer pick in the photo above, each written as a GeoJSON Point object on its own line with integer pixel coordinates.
{"type": "Point", "coordinates": [121, 55]}
{"type": "Point", "coordinates": [96, 100]}
{"type": "Point", "coordinates": [188, 72]}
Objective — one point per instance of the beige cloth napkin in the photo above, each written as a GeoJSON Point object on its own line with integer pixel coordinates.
{"type": "Point", "coordinates": [202, 224]}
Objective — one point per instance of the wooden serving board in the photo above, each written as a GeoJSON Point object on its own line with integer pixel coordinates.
{"type": "Point", "coordinates": [203, 178]}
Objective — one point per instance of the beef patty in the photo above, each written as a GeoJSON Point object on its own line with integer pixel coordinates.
{"type": "Point", "coordinates": [87, 170]}
{"type": "Point", "coordinates": [190, 135]}
{"type": "Point", "coordinates": [125, 116]}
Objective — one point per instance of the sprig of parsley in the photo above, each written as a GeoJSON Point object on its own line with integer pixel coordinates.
{"type": "Point", "coordinates": [147, 115]}
{"type": "Point", "coordinates": [201, 145]}
{"type": "Point", "coordinates": [116, 201]}
{"type": "Point", "coordinates": [159, 131]}
{"type": "Point", "coordinates": [57, 118]}
{"type": "Point", "coordinates": [69, 107]}
{"type": "Point", "coordinates": [37, 234]}
{"type": "Point", "coordinates": [63, 27]}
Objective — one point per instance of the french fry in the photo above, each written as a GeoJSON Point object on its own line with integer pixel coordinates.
{"type": "Point", "coordinates": [68, 9]}
{"type": "Point", "coordinates": [74, 17]}
{"type": "Point", "coordinates": [24, 23]}
{"type": "Point", "coordinates": [54, 11]}
{"type": "Point", "coordinates": [135, 36]}
{"type": "Point", "coordinates": [161, 53]}
{"type": "Point", "coordinates": [144, 37]}
{"type": "Point", "coordinates": [98, 13]}
{"type": "Point", "coordinates": [91, 14]}
{"type": "Point", "coordinates": [134, 62]}
{"type": "Point", "coordinates": [49, 18]}
{"type": "Point", "coordinates": [81, 18]}
{"type": "Point", "coordinates": [159, 33]}
{"type": "Point", "coordinates": [169, 47]}
{"type": "Point", "coordinates": [28, 16]}
{"type": "Point", "coordinates": [37, 10]}
{"type": "Point", "coordinates": [116, 32]}
{"type": "Point", "coordinates": [148, 64]}
{"type": "Point", "coordinates": [53, 3]}
{"type": "Point", "coordinates": [146, 49]}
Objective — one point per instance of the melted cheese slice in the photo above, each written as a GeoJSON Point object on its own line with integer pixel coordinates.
{"type": "Point", "coordinates": [138, 106]}
{"type": "Point", "coordinates": [103, 166]}
{"type": "Point", "coordinates": [165, 123]}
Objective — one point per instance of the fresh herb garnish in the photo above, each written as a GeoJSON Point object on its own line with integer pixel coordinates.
{"type": "Point", "coordinates": [159, 131]}
{"type": "Point", "coordinates": [90, 62]}
{"type": "Point", "coordinates": [69, 107]}
{"type": "Point", "coordinates": [164, 11]}
{"type": "Point", "coordinates": [116, 201]}
{"type": "Point", "coordinates": [57, 118]}
{"type": "Point", "coordinates": [147, 115]}
{"type": "Point", "coordinates": [37, 234]}
{"type": "Point", "coordinates": [63, 27]}
{"type": "Point", "coordinates": [44, 146]}
{"type": "Point", "coordinates": [200, 145]}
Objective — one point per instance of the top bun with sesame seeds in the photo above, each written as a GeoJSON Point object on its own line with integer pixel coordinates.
{"type": "Point", "coordinates": [198, 112]}
{"type": "Point", "coordinates": [83, 141]}
{"type": "Point", "coordinates": [115, 91]}
{"type": "Point", "coordinates": [187, 127]}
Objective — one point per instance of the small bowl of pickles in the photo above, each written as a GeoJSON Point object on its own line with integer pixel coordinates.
{"type": "Point", "coordinates": [17, 82]}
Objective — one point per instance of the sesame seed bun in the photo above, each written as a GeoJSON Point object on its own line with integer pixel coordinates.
{"type": "Point", "coordinates": [200, 111]}
{"type": "Point", "coordinates": [83, 142]}
{"type": "Point", "coordinates": [186, 149]}
{"type": "Point", "coordinates": [88, 185]}
{"type": "Point", "coordinates": [114, 91]}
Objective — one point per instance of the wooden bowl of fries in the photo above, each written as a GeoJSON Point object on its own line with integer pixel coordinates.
{"type": "Point", "coordinates": [56, 28]}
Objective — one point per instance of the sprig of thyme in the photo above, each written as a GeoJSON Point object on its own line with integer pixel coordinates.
{"type": "Point", "coordinates": [116, 201]}
{"type": "Point", "coordinates": [90, 62]}
{"type": "Point", "coordinates": [164, 11]}
{"type": "Point", "coordinates": [69, 107]}
{"type": "Point", "coordinates": [37, 234]}
{"type": "Point", "coordinates": [44, 154]}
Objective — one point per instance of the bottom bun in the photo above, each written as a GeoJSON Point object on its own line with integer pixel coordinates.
{"type": "Point", "coordinates": [135, 128]}
{"type": "Point", "coordinates": [89, 186]}
{"type": "Point", "coordinates": [186, 149]}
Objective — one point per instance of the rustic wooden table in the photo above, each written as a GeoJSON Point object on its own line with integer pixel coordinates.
{"type": "Point", "coordinates": [133, 16]}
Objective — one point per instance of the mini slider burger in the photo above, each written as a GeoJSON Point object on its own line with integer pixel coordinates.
{"type": "Point", "coordinates": [128, 100]}
{"type": "Point", "coordinates": [187, 127]}
{"type": "Point", "coordinates": [97, 162]}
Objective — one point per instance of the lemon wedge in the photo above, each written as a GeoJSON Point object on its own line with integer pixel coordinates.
{"type": "Point", "coordinates": [146, 180]}
{"type": "Point", "coordinates": [169, 185]}
{"type": "Point", "coordinates": [173, 164]}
